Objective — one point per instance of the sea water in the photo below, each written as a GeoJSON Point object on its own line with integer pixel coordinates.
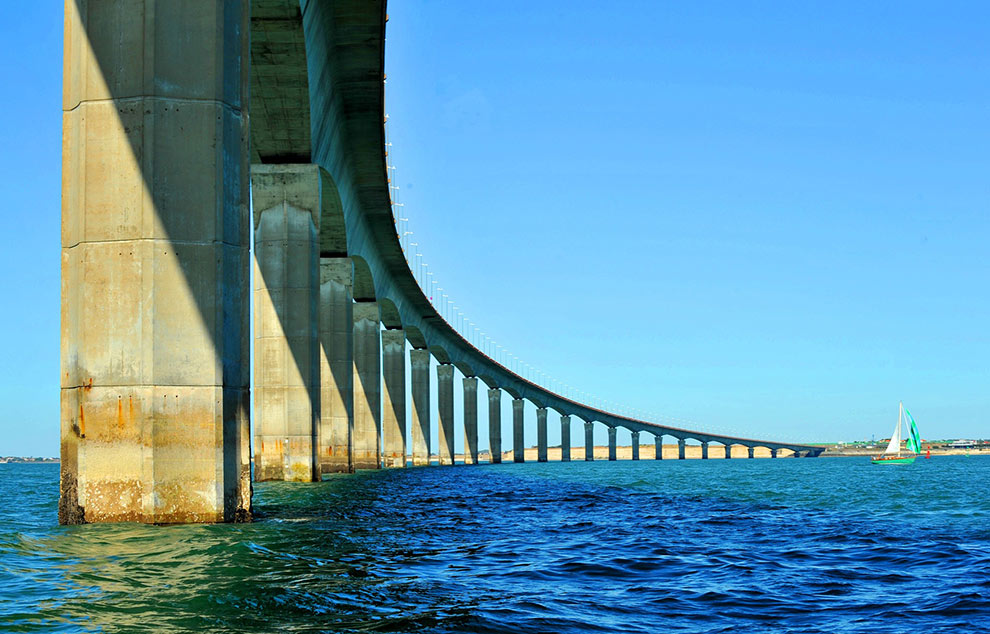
{"type": "Point", "coordinates": [786, 545]}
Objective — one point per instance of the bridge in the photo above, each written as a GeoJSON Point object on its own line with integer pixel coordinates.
{"type": "Point", "coordinates": [174, 114]}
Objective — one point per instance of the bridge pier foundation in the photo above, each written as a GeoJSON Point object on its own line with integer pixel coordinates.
{"type": "Point", "coordinates": [419, 363]}
{"type": "Point", "coordinates": [728, 452]}
{"type": "Point", "coordinates": [495, 424]}
{"type": "Point", "coordinates": [773, 453]}
{"type": "Point", "coordinates": [612, 452]}
{"type": "Point", "coordinates": [541, 434]}
{"type": "Point", "coordinates": [366, 433]}
{"type": "Point", "coordinates": [518, 441]}
{"type": "Point", "coordinates": [589, 441]}
{"type": "Point", "coordinates": [394, 416]}
{"type": "Point", "coordinates": [751, 451]}
{"type": "Point", "coordinates": [635, 445]}
{"type": "Point", "coordinates": [704, 451]}
{"type": "Point", "coordinates": [680, 449]}
{"type": "Point", "coordinates": [565, 438]}
{"type": "Point", "coordinates": [336, 366]}
{"type": "Point", "coordinates": [470, 420]}
{"type": "Point", "coordinates": [445, 409]}
{"type": "Point", "coordinates": [287, 206]}
{"type": "Point", "coordinates": [658, 441]}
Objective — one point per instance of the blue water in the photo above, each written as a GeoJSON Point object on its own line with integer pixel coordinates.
{"type": "Point", "coordinates": [823, 545]}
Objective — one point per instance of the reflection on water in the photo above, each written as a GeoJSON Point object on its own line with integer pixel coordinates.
{"type": "Point", "coordinates": [745, 545]}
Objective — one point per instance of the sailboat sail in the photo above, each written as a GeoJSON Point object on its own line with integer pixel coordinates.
{"type": "Point", "coordinates": [914, 439]}
{"type": "Point", "coordinates": [894, 445]}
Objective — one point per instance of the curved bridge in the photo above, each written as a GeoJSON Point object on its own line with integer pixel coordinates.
{"type": "Point", "coordinates": [158, 152]}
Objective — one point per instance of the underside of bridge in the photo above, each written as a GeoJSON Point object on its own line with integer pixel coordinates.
{"type": "Point", "coordinates": [162, 148]}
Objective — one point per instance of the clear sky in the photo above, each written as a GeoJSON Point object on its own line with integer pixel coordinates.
{"type": "Point", "coordinates": [768, 218]}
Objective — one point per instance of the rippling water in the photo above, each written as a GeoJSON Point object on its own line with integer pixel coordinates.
{"type": "Point", "coordinates": [824, 545]}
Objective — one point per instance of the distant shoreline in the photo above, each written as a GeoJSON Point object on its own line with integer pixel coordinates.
{"type": "Point", "coordinates": [27, 460]}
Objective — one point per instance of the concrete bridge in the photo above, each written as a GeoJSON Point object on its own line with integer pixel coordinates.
{"type": "Point", "coordinates": [171, 111]}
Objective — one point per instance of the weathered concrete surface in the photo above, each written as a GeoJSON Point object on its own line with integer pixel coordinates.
{"type": "Point", "coordinates": [589, 441]}
{"type": "Point", "coordinates": [336, 366]}
{"type": "Point", "coordinates": [658, 447]}
{"type": "Point", "coordinates": [419, 362]}
{"type": "Point", "coordinates": [565, 438]}
{"type": "Point", "coordinates": [635, 445]}
{"type": "Point", "coordinates": [495, 424]}
{"type": "Point", "coordinates": [155, 231]}
{"type": "Point", "coordinates": [470, 409]}
{"type": "Point", "coordinates": [518, 429]}
{"type": "Point", "coordinates": [394, 399]}
{"type": "Point", "coordinates": [680, 449]}
{"type": "Point", "coordinates": [286, 202]}
{"type": "Point", "coordinates": [541, 434]}
{"type": "Point", "coordinates": [445, 411]}
{"type": "Point", "coordinates": [704, 451]}
{"type": "Point", "coordinates": [612, 443]}
{"type": "Point", "coordinates": [366, 433]}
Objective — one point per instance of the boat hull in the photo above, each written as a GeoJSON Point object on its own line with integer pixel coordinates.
{"type": "Point", "coordinates": [893, 460]}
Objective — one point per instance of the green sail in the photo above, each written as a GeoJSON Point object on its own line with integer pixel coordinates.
{"type": "Point", "coordinates": [914, 441]}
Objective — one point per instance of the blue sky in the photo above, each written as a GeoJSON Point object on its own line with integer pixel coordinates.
{"type": "Point", "coordinates": [767, 218]}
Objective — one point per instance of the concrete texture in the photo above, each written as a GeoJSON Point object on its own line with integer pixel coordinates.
{"type": "Point", "coordinates": [680, 449]}
{"type": "Point", "coordinates": [635, 445]}
{"type": "Point", "coordinates": [445, 411]}
{"type": "Point", "coordinates": [704, 451]}
{"type": "Point", "coordinates": [394, 398]}
{"type": "Point", "coordinates": [589, 441]}
{"type": "Point", "coordinates": [286, 202]}
{"type": "Point", "coordinates": [565, 438]}
{"type": "Point", "coordinates": [495, 424]}
{"type": "Point", "coordinates": [612, 443]}
{"type": "Point", "coordinates": [750, 452]}
{"type": "Point", "coordinates": [728, 451]}
{"type": "Point", "coordinates": [366, 432]}
{"type": "Point", "coordinates": [155, 230]}
{"type": "Point", "coordinates": [470, 420]}
{"type": "Point", "coordinates": [518, 429]}
{"type": "Point", "coordinates": [419, 363]}
{"type": "Point", "coordinates": [336, 366]}
{"type": "Point", "coordinates": [541, 434]}
{"type": "Point", "coordinates": [658, 447]}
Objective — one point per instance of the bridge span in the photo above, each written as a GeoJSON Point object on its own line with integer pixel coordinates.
{"type": "Point", "coordinates": [174, 114]}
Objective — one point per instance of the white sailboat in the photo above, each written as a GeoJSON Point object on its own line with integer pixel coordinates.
{"type": "Point", "coordinates": [892, 454]}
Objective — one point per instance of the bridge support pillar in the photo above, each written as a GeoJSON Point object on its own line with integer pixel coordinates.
{"type": "Point", "coordinates": [612, 451]}
{"type": "Point", "coordinates": [287, 206]}
{"type": "Point", "coordinates": [565, 438]}
{"type": "Point", "coordinates": [495, 425]}
{"type": "Point", "coordinates": [541, 434]}
{"type": "Point", "coordinates": [471, 420]}
{"type": "Point", "coordinates": [680, 449]}
{"type": "Point", "coordinates": [658, 441]}
{"type": "Point", "coordinates": [518, 440]}
{"type": "Point", "coordinates": [366, 433]}
{"type": "Point", "coordinates": [751, 451]}
{"type": "Point", "coordinates": [336, 366]}
{"type": "Point", "coordinates": [635, 445]}
{"type": "Point", "coordinates": [589, 441]}
{"type": "Point", "coordinates": [773, 453]}
{"type": "Point", "coordinates": [704, 451]}
{"type": "Point", "coordinates": [728, 452]}
{"type": "Point", "coordinates": [155, 230]}
{"type": "Point", "coordinates": [419, 362]}
{"type": "Point", "coordinates": [445, 409]}
{"type": "Point", "coordinates": [394, 416]}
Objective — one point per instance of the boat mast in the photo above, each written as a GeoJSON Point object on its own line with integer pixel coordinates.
{"type": "Point", "coordinates": [900, 416]}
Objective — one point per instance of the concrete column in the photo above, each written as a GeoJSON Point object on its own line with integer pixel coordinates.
{"type": "Point", "coordinates": [658, 441]}
{"type": "Point", "coordinates": [471, 419]}
{"type": "Point", "coordinates": [635, 445]}
{"type": "Point", "coordinates": [589, 441]}
{"type": "Point", "coordinates": [394, 398]}
{"type": "Point", "coordinates": [445, 406]}
{"type": "Point", "coordinates": [518, 441]}
{"type": "Point", "coordinates": [155, 241]}
{"type": "Point", "coordinates": [495, 424]}
{"type": "Point", "coordinates": [287, 206]}
{"type": "Point", "coordinates": [680, 449]}
{"type": "Point", "coordinates": [752, 451]}
{"type": "Point", "coordinates": [773, 453]}
{"type": "Point", "coordinates": [728, 452]}
{"type": "Point", "coordinates": [419, 362]}
{"type": "Point", "coordinates": [565, 438]}
{"type": "Point", "coordinates": [366, 432]}
{"type": "Point", "coordinates": [612, 452]}
{"type": "Point", "coordinates": [704, 451]}
{"type": "Point", "coordinates": [541, 434]}
{"type": "Point", "coordinates": [336, 366]}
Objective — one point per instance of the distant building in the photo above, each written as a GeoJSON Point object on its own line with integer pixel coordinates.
{"type": "Point", "coordinates": [962, 444]}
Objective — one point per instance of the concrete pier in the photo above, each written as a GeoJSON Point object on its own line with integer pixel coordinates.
{"type": "Point", "coordinates": [752, 451]}
{"type": "Point", "coordinates": [286, 202]}
{"type": "Point", "coordinates": [155, 238]}
{"type": "Point", "coordinates": [612, 449]}
{"type": "Point", "coordinates": [394, 398]}
{"type": "Point", "coordinates": [495, 424]}
{"type": "Point", "coordinates": [419, 363]}
{"type": "Point", "coordinates": [366, 433]}
{"type": "Point", "coordinates": [658, 442]}
{"type": "Point", "coordinates": [565, 438]}
{"type": "Point", "coordinates": [518, 440]}
{"type": "Point", "coordinates": [445, 409]}
{"type": "Point", "coordinates": [704, 451]}
{"type": "Point", "coordinates": [336, 366]}
{"type": "Point", "coordinates": [471, 419]}
{"type": "Point", "coordinates": [541, 434]}
{"type": "Point", "coordinates": [728, 452]}
{"type": "Point", "coordinates": [635, 445]}
{"type": "Point", "coordinates": [680, 449]}
{"type": "Point", "coordinates": [773, 453]}
{"type": "Point", "coordinates": [589, 441]}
